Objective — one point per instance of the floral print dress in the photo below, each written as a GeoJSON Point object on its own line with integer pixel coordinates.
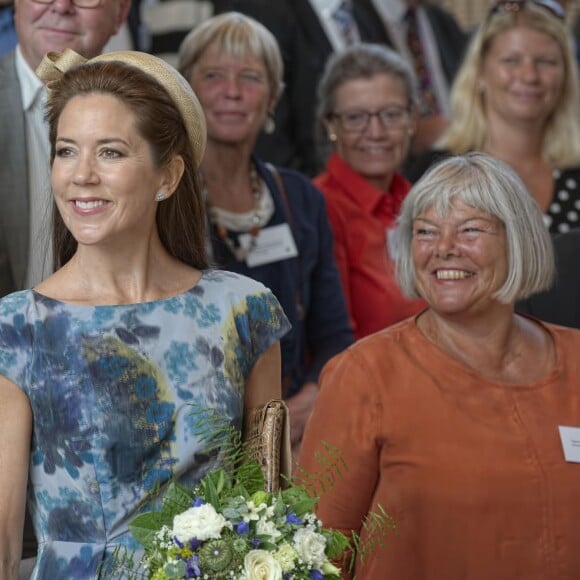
{"type": "Point", "coordinates": [111, 390]}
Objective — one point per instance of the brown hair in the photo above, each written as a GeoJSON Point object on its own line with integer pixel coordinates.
{"type": "Point", "coordinates": [181, 217]}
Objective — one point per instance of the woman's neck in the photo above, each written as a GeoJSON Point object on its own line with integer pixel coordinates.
{"type": "Point", "coordinates": [120, 273]}
{"type": "Point", "coordinates": [499, 345]}
{"type": "Point", "coordinates": [514, 143]}
{"type": "Point", "coordinates": [226, 174]}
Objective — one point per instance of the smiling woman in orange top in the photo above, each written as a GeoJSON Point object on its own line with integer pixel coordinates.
{"type": "Point", "coordinates": [450, 420]}
{"type": "Point", "coordinates": [367, 113]}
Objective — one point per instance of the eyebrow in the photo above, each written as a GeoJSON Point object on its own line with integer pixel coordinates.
{"type": "Point", "coordinates": [107, 141]}
{"type": "Point", "coordinates": [471, 219]}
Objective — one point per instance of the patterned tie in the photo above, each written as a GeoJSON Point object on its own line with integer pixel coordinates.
{"type": "Point", "coordinates": [429, 103]}
{"type": "Point", "coordinates": [343, 16]}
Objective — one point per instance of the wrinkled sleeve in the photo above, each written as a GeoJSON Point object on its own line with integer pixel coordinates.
{"type": "Point", "coordinates": [345, 424]}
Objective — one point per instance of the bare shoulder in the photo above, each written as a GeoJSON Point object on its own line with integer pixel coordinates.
{"type": "Point", "coordinates": [14, 403]}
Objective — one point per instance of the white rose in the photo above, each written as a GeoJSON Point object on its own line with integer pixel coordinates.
{"type": "Point", "coordinates": [267, 528]}
{"type": "Point", "coordinates": [201, 522]}
{"type": "Point", "coordinates": [310, 547]}
{"type": "Point", "coordinates": [260, 565]}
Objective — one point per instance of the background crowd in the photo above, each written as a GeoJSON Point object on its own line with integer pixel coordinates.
{"type": "Point", "coordinates": [318, 117]}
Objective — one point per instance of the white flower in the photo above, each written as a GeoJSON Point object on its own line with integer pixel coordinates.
{"type": "Point", "coordinates": [310, 547]}
{"type": "Point", "coordinates": [268, 528]}
{"type": "Point", "coordinates": [253, 511]}
{"type": "Point", "coordinates": [286, 556]}
{"type": "Point", "coordinates": [260, 565]}
{"type": "Point", "coordinates": [201, 522]}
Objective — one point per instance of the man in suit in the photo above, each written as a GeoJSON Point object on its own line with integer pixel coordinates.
{"type": "Point", "coordinates": [85, 26]}
{"type": "Point", "coordinates": [433, 43]}
{"type": "Point", "coordinates": [41, 26]}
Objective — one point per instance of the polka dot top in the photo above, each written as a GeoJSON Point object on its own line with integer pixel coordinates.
{"type": "Point", "coordinates": [563, 214]}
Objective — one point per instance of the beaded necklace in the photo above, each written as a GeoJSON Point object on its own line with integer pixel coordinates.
{"type": "Point", "coordinates": [240, 253]}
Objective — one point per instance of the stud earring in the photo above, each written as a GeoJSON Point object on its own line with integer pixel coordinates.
{"type": "Point", "coordinates": [269, 124]}
{"type": "Point", "coordinates": [159, 196]}
{"type": "Point", "coordinates": [332, 137]}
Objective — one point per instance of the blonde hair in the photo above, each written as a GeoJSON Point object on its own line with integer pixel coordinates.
{"type": "Point", "coordinates": [237, 35]}
{"type": "Point", "coordinates": [468, 128]}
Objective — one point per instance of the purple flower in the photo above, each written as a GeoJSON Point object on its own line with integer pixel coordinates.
{"type": "Point", "coordinates": [316, 575]}
{"type": "Point", "coordinates": [197, 501]}
{"type": "Point", "coordinates": [176, 540]}
{"type": "Point", "coordinates": [192, 568]}
{"type": "Point", "coordinates": [292, 518]}
{"type": "Point", "coordinates": [194, 544]}
{"type": "Point", "coordinates": [243, 528]}
{"type": "Point", "coordinates": [255, 542]}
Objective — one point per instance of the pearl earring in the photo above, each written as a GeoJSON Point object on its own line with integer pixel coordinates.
{"type": "Point", "coordinates": [159, 196]}
{"type": "Point", "coordinates": [269, 124]}
{"type": "Point", "coordinates": [332, 137]}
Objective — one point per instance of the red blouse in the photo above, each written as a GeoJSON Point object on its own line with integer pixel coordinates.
{"type": "Point", "coordinates": [361, 216]}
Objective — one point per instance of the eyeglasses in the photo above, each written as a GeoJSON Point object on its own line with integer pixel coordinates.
{"type": "Point", "coordinates": [77, 3]}
{"type": "Point", "coordinates": [513, 6]}
{"type": "Point", "coordinates": [356, 120]}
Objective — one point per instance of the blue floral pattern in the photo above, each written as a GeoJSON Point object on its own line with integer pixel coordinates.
{"type": "Point", "coordinates": [111, 389]}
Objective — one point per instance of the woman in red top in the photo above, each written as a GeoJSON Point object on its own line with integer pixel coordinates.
{"type": "Point", "coordinates": [367, 110]}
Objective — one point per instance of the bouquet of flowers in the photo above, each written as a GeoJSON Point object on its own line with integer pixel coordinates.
{"type": "Point", "coordinates": [228, 527]}
{"type": "Point", "coordinates": [223, 530]}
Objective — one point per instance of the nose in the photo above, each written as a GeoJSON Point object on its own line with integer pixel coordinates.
{"type": "Point", "coordinates": [62, 6]}
{"type": "Point", "coordinates": [446, 244]}
{"type": "Point", "coordinates": [233, 87]}
{"type": "Point", "coordinates": [375, 128]}
{"type": "Point", "coordinates": [84, 171]}
{"type": "Point", "coordinates": [529, 70]}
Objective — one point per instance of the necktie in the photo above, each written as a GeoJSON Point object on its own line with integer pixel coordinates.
{"type": "Point", "coordinates": [429, 104]}
{"type": "Point", "coordinates": [344, 19]}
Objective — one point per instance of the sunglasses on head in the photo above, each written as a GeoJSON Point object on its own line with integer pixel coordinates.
{"type": "Point", "coordinates": [514, 6]}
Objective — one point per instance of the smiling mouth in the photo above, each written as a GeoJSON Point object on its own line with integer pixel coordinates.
{"type": "Point", "coordinates": [89, 204]}
{"type": "Point", "coordinates": [453, 274]}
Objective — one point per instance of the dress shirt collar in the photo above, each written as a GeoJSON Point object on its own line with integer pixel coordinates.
{"type": "Point", "coordinates": [325, 7]}
{"type": "Point", "coordinates": [30, 85]}
{"type": "Point", "coordinates": [391, 10]}
{"type": "Point", "coordinates": [365, 194]}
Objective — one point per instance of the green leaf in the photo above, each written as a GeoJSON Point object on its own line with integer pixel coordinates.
{"type": "Point", "coordinates": [336, 543]}
{"type": "Point", "coordinates": [298, 500]}
{"type": "Point", "coordinates": [177, 499]}
{"type": "Point", "coordinates": [145, 526]}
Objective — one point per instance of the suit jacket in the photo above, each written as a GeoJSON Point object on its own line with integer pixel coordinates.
{"type": "Point", "coordinates": [305, 49]}
{"type": "Point", "coordinates": [14, 193]}
{"type": "Point", "coordinates": [450, 38]}
{"type": "Point", "coordinates": [560, 304]}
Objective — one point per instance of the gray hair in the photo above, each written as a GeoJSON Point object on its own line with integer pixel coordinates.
{"type": "Point", "coordinates": [489, 185]}
{"type": "Point", "coordinates": [360, 61]}
{"type": "Point", "coordinates": [237, 35]}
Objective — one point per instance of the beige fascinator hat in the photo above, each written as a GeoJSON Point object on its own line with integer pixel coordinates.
{"type": "Point", "coordinates": [55, 64]}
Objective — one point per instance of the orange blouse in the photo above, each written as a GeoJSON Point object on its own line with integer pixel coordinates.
{"type": "Point", "coordinates": [471, 469]}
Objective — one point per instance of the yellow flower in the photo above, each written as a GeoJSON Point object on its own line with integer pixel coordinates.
{"type": "Point", "coordinates": [159, 575]}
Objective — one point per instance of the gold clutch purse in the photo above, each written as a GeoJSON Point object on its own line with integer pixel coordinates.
{"type": "Point", "coordinates": [267, 433]}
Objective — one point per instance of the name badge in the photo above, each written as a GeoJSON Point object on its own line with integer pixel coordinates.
{"type": "Point", "coordinates": [272, 244]}
{"type": "Point", "coordinates": [570, 437]}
